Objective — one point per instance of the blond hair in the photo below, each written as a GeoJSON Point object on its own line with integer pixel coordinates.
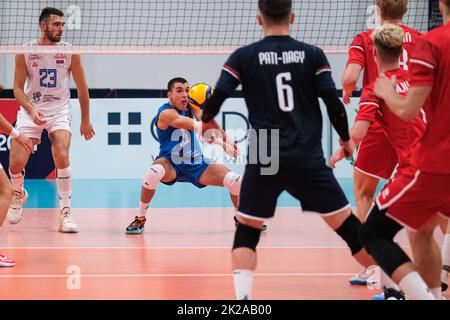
{"type": "Point", "coordinates": [392, 9]}
{"type": "Point", "coordinates": [388, 40]}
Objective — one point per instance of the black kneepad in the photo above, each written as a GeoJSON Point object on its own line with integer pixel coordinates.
{"type": "Point", "coordinates": [349, 231]}
{"type": "Point", "coordinates": [377, 236]}
{"type": "Point", "coordinates": [246, 237]}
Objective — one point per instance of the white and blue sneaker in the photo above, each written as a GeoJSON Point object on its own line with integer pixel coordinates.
{"type": "Point", "coordinates": [389, 294]}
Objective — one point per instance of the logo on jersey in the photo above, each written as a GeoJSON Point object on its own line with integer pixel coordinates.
{"type": "Point", "coordinates": [34, 57]}
{"type": "Point", "coordinates": [60, 59]}
{"type": "Point", "coordinates": [402, 87]}
{"type": "Point", "coordinates": [34, 65]}
{"type": "Point", "coordinates": [37, 96]}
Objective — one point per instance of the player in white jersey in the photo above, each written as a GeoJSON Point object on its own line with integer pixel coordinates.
{"type": "Point", "coordinates": [6, 190]}
{"type": "Point", "coordinates": [45, 104]}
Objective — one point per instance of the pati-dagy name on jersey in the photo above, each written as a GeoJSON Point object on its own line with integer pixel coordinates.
{"type": "Point", "coordinates": [287, 57]}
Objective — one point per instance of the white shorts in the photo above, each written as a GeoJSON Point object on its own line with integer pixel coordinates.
{"type": "Point", "coordinates": [60, 121]}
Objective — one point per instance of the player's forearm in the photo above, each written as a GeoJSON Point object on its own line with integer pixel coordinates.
{"type": "Point", "coordinates": [83, 98]}
{"type": "Point", "coordinates": [351, 76]}
{"type": "Point", "coordinates": [22, 99]}
{"type": "Point", "coordinates": [404, 107]}
{"type": "Point", "coordinates": [336, 113]}
{"type": "Point", "coordinates": [359, 130]}
{"type": "Point", "coordinates": [213, 104]}
{"type": "Point", "coordinates": [185, 123]}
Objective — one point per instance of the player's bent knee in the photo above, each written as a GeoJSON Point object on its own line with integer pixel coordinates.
{"type": "Point", "coordinates": [232, 182]}
{"type": "Point", "coordinates": [153, 176]}
{"type": "Point", "coordinates": [381, 246]}
{"type": "Point", "coordinates": [246, 237]}
{"type": "Point", "coordinates": [349, 231]}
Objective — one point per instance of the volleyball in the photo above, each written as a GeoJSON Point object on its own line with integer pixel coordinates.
{"type": "Point", "coordinates": [198, 94]}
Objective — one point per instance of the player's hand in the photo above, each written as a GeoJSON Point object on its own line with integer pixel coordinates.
{"type": "Point", "coordinates": [348, 147]}
{"type": "Point", "coordinates": [25, 142]}
{"type": "Point", "coordinates": [337, 156]}
{"type": "Point", "coordinates": [87, 130]}
{"type": "Point", "coordinates": [231, 149]}
{"type": "Point", "coordinates": [346, 95]}
{"type": "Point", "coordinates": [383, 85]}
{"type": "Point", "coordinates": [210, 130]}
{"type": "Point", "coordinates": [37, 117]}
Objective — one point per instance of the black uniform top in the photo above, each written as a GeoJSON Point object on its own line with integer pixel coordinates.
{"type": "Point", "coordinates": [281, 80]}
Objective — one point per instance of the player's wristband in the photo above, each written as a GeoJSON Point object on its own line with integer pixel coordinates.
{"type": "Point", "coordinates": [14, 133]}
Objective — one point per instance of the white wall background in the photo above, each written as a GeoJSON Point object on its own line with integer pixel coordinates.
{"type": "Point", "coordinates": [150, 71]}
{"type": "Point", "coordinates": [96, 159]}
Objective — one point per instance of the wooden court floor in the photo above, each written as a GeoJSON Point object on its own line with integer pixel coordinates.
{"type": "Point", "coordinates": [183, 254]}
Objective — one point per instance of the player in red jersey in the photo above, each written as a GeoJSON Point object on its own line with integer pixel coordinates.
{"type": "Point", "coordinates": [402, 135]}
{"type": "Point", "coordinates": [418, 204]}
{"type": "Point", "coordinates": [369, 168]}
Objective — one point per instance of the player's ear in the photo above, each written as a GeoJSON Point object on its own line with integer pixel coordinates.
{"type": "Point", "coordinates": [443, 7]}
{"type": "Point", "coordinates": [292, 18]}
{"type": "Point", "coordinates": [42, 25]}
{"type": "Point", "coordinates": [260, 19]}
{"type": "Point", "coordinates": [376, 55]}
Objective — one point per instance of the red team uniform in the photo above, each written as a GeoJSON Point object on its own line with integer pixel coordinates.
{"type": "Point", "coordinates": [428, 191]}
{"type": "Point", "coordinates": [376, 156]}
{"type": "Point", "coordinates": [403, 136]}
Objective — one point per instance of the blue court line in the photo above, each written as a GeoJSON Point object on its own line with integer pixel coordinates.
{"type": "Point", "coordinates": [124, 193]}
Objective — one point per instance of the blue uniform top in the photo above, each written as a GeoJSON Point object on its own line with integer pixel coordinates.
{"type": "Point", "coordinates": [179, 145]}
{"type": "Point", "coordinates": [281, 80]}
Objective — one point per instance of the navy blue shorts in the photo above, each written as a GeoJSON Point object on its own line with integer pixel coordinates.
{"type": "Point", "coordinates": [187, 172]}
{"type": "Point", "coordinates": [317, 190]}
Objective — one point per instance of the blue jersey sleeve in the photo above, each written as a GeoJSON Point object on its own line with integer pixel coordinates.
{"type": "Point", "coordinates": [322, 69]}
{"type": "Point", "coordinates": [230, 77]}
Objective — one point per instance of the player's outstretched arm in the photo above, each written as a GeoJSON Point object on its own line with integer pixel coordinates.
{"type": "Point", "coordinates": [171, 118]}
{"type": "Point", "coordinates": [213, 105]}
{"type": "Point", "coordinates": [86, 128]}
{"type": "Point", "coordinates": [405, 107]}
{"type": "Point", "coordinates": [349, 80]}
{"type": "Point", "coordinates": [20, 76]}
{"type": "Point", "coordinates": [338, 117]}
{"type": "Point", "coordinates": [219, 137]}
{"type": "Point", "coordinates": [336, 113]}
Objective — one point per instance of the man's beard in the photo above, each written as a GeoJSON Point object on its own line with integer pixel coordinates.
{"type": "Point", "coordinates": [52, 38]}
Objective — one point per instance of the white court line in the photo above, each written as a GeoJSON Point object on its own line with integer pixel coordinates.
{"type": "Point", "coordinates": [162, 248]}
{"type": "Point", "coordinates": [168, 275]}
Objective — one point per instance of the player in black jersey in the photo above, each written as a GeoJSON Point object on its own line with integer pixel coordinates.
{"type": "Point", "coordinates": [282, 80]}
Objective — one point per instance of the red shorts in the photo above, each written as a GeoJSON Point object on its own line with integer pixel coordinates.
{"type": "Point", "coordinates": [376, 156]}
{"type": "Point", "coordinates": [413, 198]}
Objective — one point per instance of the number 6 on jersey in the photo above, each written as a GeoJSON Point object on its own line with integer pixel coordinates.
{"type": "Point", "coordinates": [285, 92]}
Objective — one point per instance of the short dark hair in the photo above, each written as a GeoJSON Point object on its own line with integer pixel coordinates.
{"type": "Point", "coordinates": [175, 80]}
{"type": "Point", "coordinates": [47, 12]}
{"type": "Point", "coordinates": [275, 10]}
